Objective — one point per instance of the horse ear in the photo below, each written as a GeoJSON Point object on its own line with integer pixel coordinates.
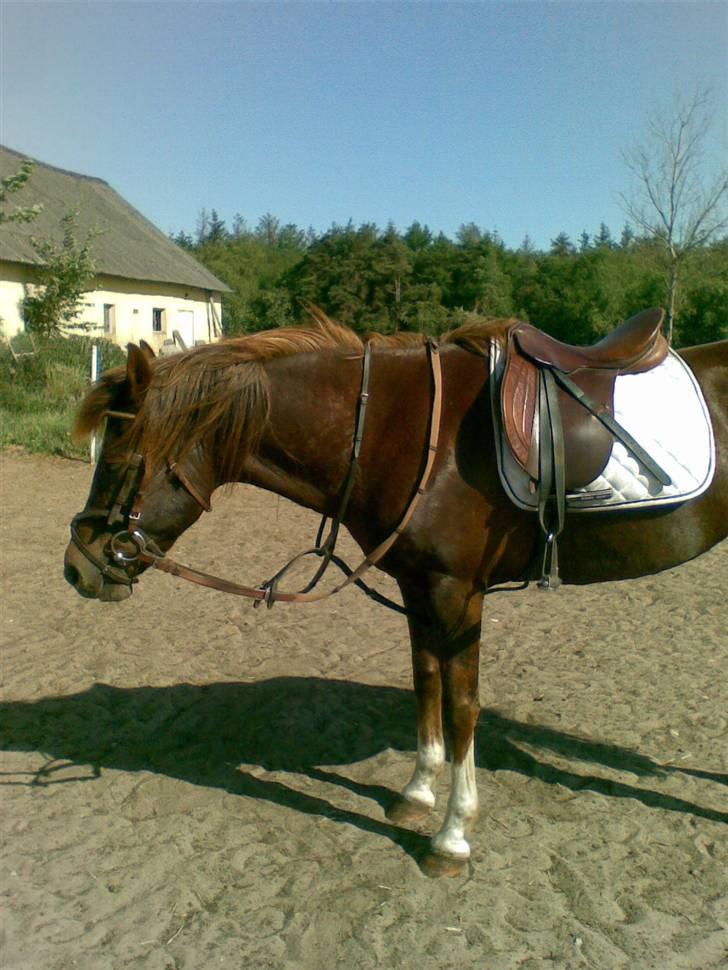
{"type": "Point", "coordinates": [138, 371]}
{"type": "Point", "coordinates": [146, 350]}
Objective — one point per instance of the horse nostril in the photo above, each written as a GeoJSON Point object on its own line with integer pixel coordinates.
{"type": "Point", "coordinates": [71, 573]}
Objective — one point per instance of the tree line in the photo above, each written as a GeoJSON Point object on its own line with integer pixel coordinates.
{"type": "Point", "coordinates": [383, 279]}
{"type": "Point", "coordinates": [676, 256]}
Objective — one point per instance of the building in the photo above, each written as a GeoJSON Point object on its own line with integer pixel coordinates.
{"type": "Point", "coordinates": [146, 286]}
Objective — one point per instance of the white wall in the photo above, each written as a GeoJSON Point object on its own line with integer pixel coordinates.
{"type": "Point", "coordinates": [131, 309]}
{"type": "Point", "coordinates": [12, 278]}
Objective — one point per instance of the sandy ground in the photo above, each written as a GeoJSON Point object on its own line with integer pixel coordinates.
{"type": "Point", "coordinates": [190, 783]}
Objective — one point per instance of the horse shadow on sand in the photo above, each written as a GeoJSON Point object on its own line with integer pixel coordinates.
{"type": "Point", "coordinates": [201, 734]}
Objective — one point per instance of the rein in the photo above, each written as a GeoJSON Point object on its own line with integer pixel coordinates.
{"type": "Point", "coordinates": [126, 508]}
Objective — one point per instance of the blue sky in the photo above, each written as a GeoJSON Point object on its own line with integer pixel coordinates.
{"type": "Point", "coordinates": [509, 115]}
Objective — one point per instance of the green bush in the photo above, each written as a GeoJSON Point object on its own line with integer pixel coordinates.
{"type": "Point", "coordinates": [63, 382]}
{"type": "Point", "coordinates": [39, 393]}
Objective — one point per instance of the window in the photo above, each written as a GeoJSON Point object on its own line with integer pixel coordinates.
{"type": "Point", "coordinates": [157, 320]}
{"type": "Point", "coordinates": [109, 317]}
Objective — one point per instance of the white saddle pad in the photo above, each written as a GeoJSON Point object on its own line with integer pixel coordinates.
{"type": "Point", "coordinates": [664, 411]}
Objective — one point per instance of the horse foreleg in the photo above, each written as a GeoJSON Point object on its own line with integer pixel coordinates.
{"type": "Point", "coordinates": [418, 795]}
{"type": "Point", "coordinates": [445, 633]}
{"type": "Point", "coordinates": [461, 715]}
{"type": "Point", "coordinates": [459, 621]}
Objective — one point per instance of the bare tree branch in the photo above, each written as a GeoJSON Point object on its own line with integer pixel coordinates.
{"type": "Point", "coordinates": [672, 199]}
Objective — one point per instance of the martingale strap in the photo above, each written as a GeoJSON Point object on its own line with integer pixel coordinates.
{"type": "Point", "coordinates": [325, 548]}
{"type": "Point", "coordinates": [268, 592]}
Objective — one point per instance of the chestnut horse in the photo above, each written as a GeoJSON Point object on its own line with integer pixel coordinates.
{"type": "Point", "coordinates": [278, 410]}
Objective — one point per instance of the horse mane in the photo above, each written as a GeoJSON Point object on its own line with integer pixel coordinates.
{"type": "Point", "coordinates": [218, 393]}
{"type": "Point", "coordinates": [474, 335]}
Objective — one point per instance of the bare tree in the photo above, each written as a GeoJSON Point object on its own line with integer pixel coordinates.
{"type": "Point", "coordinates": [673, 199]}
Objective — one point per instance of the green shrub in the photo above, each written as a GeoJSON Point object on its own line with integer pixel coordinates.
{"type": "Point", "coordinates": [39, 393]}
{"type": "Point", "coordinates": [63, 382]}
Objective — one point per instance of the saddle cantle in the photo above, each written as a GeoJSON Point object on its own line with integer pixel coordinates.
{"type": "Point", "coordinates": [634, 347]}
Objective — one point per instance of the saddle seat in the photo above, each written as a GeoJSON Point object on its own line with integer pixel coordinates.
{"type": "Point", "coordinates": [634, 347]}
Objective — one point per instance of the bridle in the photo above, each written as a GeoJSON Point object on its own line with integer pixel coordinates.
{"type": "Point", "coordinates": [125, 510]}
{"type": "Point", "coordinates": [130, 545]}
{"type": "Point", "coordinates": [119, 512]}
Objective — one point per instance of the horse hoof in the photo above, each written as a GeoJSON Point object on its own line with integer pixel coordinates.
{"type": "Point", "coordinates": [403, 812]}
{"type": "Point", "coordinates": [438, 866]}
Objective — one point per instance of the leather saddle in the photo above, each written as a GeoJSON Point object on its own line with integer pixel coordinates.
{"type": "Point", "coordinates": [634, 347]}
{"type": "Point", "coordinates": [557, 409]}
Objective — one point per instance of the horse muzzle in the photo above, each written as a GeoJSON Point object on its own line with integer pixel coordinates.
{"type": "Point", "coordinates": [102, 568]}
{"type": "Point", "coordinates": [89, 581]}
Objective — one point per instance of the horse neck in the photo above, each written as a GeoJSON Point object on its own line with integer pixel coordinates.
{"type": "Point", "coordinates": [305, 450]}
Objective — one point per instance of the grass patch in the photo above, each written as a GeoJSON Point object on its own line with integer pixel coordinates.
{"type": "Point", "coordinates": [39, 394]}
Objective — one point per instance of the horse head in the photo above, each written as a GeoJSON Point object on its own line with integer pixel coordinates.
{"type": "Point", "coordinates": [141, 497]}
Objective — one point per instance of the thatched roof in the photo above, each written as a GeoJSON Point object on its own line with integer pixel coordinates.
{"type": "Point", "coordinates": [127, 244]}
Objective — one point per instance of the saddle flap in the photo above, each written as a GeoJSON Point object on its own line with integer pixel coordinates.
{"type": "Point", "coordinates": [587, 443]}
